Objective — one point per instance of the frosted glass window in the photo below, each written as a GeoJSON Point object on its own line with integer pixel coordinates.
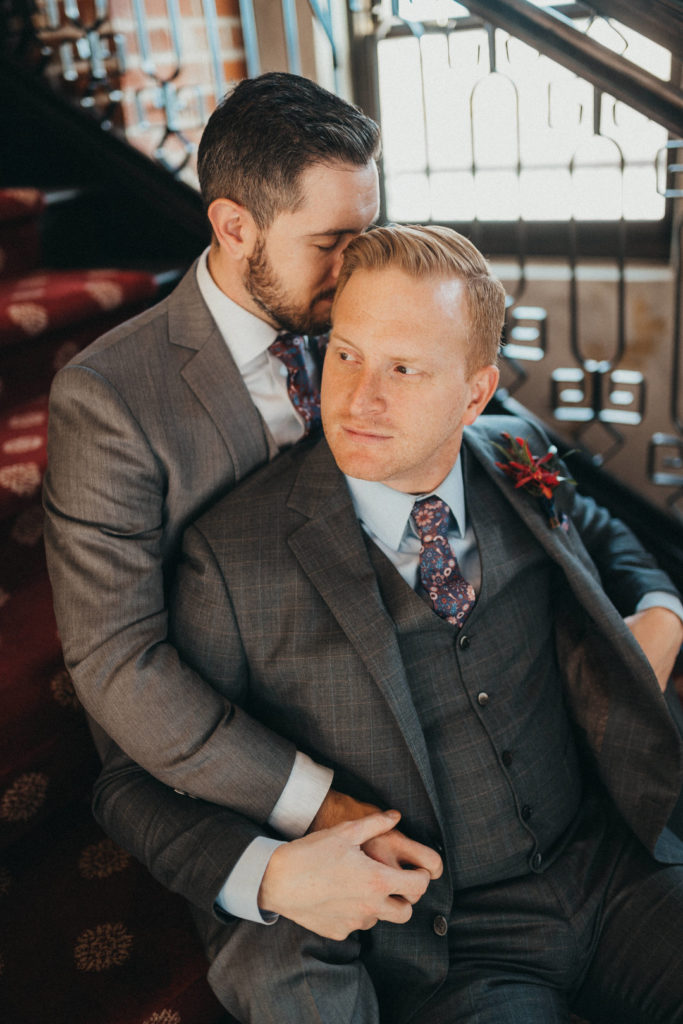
{"type": "Point", "coordinates": [463, 141]}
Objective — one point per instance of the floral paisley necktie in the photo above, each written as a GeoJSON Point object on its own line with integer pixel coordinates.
{"type": "Point", "coordinates": [289, 349]}
{"type": "Point", "coordinates": [452, 597]}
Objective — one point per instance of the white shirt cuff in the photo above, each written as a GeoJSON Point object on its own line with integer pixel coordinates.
{"type": "Point", "coordinates": [239, 895]}
{"type": "Point", "coordinates": [300, 800]}
{"type": "Point", "coordinates": [661, 599]}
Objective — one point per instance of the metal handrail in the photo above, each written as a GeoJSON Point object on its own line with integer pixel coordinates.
{"type": "Point", "coordinates": [659, 20]}
{"type": "Point", "coordinates": [555, 36]}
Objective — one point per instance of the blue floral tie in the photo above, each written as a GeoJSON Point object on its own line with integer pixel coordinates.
{"type": "Point", "coordinates": [289, 349]}
{"type": "Point", "coordinates": [452, 597]}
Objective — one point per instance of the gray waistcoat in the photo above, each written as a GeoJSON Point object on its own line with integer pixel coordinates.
{"type": "Point", "coordinates": [490, 702]}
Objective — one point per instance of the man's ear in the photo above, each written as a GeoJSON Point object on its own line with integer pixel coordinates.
{"type": "Point", "coordinates": [233, 227]}
{"type": "Point", "coordinates": [482, 385]}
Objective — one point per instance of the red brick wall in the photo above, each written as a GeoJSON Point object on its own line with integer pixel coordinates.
{"type": "Point", "coordinates": [196, 73]}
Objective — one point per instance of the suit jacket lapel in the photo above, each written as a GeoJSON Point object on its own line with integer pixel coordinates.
{"type": "Point", "coordinates": [331, 550]}
{"type": "Point", "coordinates": [214, 378]}
{"type": "Point", "coordinates": [569, 554]}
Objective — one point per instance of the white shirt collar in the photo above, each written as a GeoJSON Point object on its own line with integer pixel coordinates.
{"type": "Point", "coordinates": [385, 512]}
{"type": "Point", "coordinates": [246, 335]}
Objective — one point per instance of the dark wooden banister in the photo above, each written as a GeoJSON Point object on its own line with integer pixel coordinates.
{"type": "Point", "coordinates": [658, 20]}
{"type": "Point", "coordinates": [556, 37]}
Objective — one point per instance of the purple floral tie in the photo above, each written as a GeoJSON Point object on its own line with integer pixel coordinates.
{"type": "Point", "coordinates": [289, 349]}
{"type": "Point", "coordinates": [451, 595]}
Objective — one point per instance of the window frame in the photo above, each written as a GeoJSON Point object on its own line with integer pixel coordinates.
{"type": "Point", "coordinates": [645, 240]}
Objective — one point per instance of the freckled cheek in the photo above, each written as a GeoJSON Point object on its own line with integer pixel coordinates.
{"type": "Point", "coordinates": [331, 398]}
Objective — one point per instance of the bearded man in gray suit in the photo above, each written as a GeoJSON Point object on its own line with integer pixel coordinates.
{"type": "Point", "coordinates": [153, 422]}
{"type": "Point", "coordinates": [475, 674]}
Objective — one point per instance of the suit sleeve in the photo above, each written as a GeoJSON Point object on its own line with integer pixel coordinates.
{"type": "Point", "coordinates": [627, 571]}
{"type": "Point", "coordinates": [104, 501]}
{"type": "Point", "coordinates": [189, 846]}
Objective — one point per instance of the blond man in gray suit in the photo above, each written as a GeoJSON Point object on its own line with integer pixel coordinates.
{"type": "Point", "coordinates": [494, 675]}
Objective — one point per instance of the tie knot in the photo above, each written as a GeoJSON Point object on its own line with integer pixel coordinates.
{"type": "Point", "coordinates": [288, 348]}
{"type": "Point", "coordinates": [303, 393]}
{"type": "Point", "coordinates": [431, 516]}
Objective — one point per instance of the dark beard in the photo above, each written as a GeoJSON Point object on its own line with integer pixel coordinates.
{"type": "Point", "coordinates": [261, 283]}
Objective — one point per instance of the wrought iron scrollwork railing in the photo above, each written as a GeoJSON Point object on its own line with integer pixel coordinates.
{"type": "Point", "coordinates": [173, 149]}
{"type": "Point", "coordinates": [599, 391]}
{"type": "Point", "coordinates": [551, 33]}
{"type": "Point", "coordinates": [73, 46]}
{"type": "Point", "coordinates": [665, 451]}
{"type": "Point", "coordinates": [134, 70]}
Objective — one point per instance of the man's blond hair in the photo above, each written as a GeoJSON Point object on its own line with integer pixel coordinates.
{"type": "Point", "coordinates": [438, 252]}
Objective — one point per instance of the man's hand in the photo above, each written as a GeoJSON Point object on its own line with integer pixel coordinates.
{"type": "Point", "coordinates": [391, 848]}
{"type": "Point", "coordinates": [328, 884]}
{"type": "Point", "coordinates": [338, 807]}
{"type": "Point", "coordinates": [660, 634]}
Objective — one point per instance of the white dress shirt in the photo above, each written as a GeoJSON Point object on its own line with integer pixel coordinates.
{"type": "Point", "coordinates": [385, 515]}
{"type": "Point", "coordinates": [265, 376]}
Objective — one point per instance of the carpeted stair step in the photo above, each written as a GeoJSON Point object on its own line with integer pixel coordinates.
{"type": "Point", "coordinates": [89, 938]}
{"type": "Point", "coordinates": [46, 317]}
{"type": "Point", "coordinates": [22, 223]}
{"type": "Point", "coordinates": [23, 457]}
{"type": "Point", "coordinates": [20, 247]}
{"type": "Point", "coordinates": [108, 944]}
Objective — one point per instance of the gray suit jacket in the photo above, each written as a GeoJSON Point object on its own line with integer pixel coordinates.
{"type": "Point", "coordinates": [148, 426]}
{"type": "Point", "coordinates": [278, 607]}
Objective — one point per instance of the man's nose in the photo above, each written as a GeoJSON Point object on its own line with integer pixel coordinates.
{"type": "Point", "coordinates": [366, 395]}
{"type": "Point", "coordinates": [337, 263]}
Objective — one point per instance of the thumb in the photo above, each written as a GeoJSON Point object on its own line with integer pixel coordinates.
{"type": "Point", "coordinates": [372, 825]}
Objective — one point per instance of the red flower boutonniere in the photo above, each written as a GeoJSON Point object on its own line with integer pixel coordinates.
{"type": "Point", "coordinates": [537, 474]}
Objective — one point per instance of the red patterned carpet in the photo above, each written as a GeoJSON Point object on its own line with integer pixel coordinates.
{"type": "Point", "coordinates": [86, 936]}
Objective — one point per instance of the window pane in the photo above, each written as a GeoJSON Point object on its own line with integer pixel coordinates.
{"type": "Point", "coordinates": [453, 197]}
{"type": "Point", "coordinates": [400, 93]}
{"type": "Point", "coordinates": [596, 193]}
{"type": "Point", "coordinates": [446, 106]}
{"type": "Point", "coordinates": [641, 201]}
{"type": "Point", "coordinates": [495, 122]}
{"type": "Point", "coordinates": [497, 195]}
{"type": "Point", "coordinates": [408, 197]}
{"type": "Point", "coordinates": [545, 194]}
{"type": "Point", "coordinates": [522, 141]}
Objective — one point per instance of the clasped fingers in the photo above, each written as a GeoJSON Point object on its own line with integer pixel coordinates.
{"type": "Point", "coordinates": [411, 883]}
{"type": "Point", "coordinates": [397, 890]}
{"type": "Point", "coordinates": [395, 850]}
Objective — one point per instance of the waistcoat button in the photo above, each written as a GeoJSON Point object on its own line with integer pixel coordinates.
{"type": "Point", "coordinates": [440, 924]}
{"type": "Point", "coordinates": [463, 642]}
{"type": "Point", "coordinates": [507, 758]}
{"type": "Point", "coordinates": [482, 699]}
{"type": "Point", "coordinates": [536, 861]}
{"type": "Point", "coordinates": [526, 812]}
